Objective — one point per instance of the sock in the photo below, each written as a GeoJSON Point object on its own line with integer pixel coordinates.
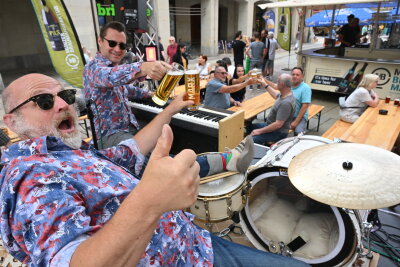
{"type": "Point", "coordinates": [237, 159]}
{"type": "Point", "coordinates": [242, 155]}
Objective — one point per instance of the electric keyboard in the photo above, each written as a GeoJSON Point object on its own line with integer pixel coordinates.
{"type": "Point", "coordinates": [204, 130]}
{"type": "Point", "coordinates": [203, 120]}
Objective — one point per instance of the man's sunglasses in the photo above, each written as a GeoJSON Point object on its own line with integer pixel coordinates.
{"type": "Point", "coordinates": [113, 43]}
{"type": "Point", "coordinates": [46, 101]}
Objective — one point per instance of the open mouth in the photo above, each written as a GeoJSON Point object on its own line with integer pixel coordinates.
{"type": "Point", "coordinates": [66, 126]}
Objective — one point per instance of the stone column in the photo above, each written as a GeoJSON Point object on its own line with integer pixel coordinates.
{"type": "Point", "coordinates": [161, 19]}
{"type": "Point", "coordinates": [246, 17]}
{"type": "Point", "coordinates": [209, 27]}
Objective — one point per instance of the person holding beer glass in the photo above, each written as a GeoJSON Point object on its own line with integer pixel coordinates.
{"type": "Point", "coordinates": [109, 84]}
{"type": "Point", "coordinates": [218, 93]}
{"type": "Point", "coordinates": [239, 77]}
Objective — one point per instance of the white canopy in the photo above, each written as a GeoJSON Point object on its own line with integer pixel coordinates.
{"type": "Point", "coordinates": [318, 4]}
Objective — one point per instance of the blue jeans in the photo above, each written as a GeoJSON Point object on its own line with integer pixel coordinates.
{"type": "Point", "coordinates": [301, 127]}
{"type": "Point", "coordinates": [265, 137]}
{"type": "Point", "coordinates": [230, 254]}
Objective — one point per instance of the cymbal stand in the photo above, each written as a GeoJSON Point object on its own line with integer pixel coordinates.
{"type": "Point", "coordinates": [366, 228]}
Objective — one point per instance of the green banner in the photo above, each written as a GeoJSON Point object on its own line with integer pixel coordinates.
{"type": "Point", "coordinates": [284, 29]}
{"type": "Point", "coordinates": [61, 40]}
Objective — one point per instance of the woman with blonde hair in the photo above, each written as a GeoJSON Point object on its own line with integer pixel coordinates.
{"type": "Point", "coordinates": [358, 101]}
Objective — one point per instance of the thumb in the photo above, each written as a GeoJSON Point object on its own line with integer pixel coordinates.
{"type": "Point", "coordinates": [164, 143]}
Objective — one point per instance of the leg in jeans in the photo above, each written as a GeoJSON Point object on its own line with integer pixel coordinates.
{"type": "Point", "coordinates": [230, 254]}
{"type": "Point", "coordinates": [266, 137]}
{"type": "Point", "coordinates": [301, 127]}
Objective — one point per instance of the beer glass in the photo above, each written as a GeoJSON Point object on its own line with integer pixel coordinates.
{"type": "Point", "coordinates": [255, 73]}
{"type": "Point", "coordinates": [192, 85]}
{"type": "Point", "coordinates": [167, 84]}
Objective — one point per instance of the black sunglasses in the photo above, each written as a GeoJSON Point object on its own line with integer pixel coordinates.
{"type": "Point", "coordinates": [113, 43]}
{"type": "Point", "coordinates": [46, 101]}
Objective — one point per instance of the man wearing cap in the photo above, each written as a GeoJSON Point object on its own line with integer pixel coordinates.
{"type": "Point", "coordinates": [108, 84]}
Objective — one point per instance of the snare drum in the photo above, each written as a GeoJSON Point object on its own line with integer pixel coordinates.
{"type": "Point", "coordinates": [218, 200]}
{"type": "Point", "coordinates": [278, 218]}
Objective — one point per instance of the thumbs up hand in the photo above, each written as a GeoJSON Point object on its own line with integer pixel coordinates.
{"type": "Point", "coordinates": [172, 183]}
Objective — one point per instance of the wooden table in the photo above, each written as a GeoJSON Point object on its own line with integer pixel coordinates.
{"type": "Point", "coordinates": [255, 105]}
{"type": "Point", "coordinates": [375, 129]}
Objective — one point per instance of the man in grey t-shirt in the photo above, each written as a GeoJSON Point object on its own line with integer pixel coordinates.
{"type": "Point", "coordinates": [258, 52]}
{"type": "Point", "coordinates": [278, 121]}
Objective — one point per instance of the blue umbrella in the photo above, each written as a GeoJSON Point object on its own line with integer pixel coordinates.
{"type": "Point", "coordinates": [324, 18]}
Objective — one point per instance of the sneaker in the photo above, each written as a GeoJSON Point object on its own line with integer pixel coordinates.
{"type": "Point", "coordinates": [242, 155]}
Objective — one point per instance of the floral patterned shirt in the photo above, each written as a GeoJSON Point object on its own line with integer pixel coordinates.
{"type": "Point", "coordinates": [109, 87]}
{"type": "Point", "coordinates": [53, 198]}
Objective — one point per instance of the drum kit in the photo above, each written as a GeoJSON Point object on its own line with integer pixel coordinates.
{"type": "Point", "coordinates": [309, 198]}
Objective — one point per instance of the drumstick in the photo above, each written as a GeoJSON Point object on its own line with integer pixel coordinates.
{"type": "Point", "coordinates": [216, 177]}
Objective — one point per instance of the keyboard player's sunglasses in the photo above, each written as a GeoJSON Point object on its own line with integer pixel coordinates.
{"type": "Point", "coordinates": [113, 43]}
{"type": "Point", "coordinates": [46, 101]}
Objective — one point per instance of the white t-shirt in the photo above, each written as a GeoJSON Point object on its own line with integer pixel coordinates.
{"type": "Point", "coordinates": [203, 69]}
{"type": "Point", "coordinates": [355, 103]}
{"type": "Point", "coordinates": [231, 70]}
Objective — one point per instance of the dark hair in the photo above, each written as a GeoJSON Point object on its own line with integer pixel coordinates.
{"type": "Point", "coordinates": [221, 63]}
{"type": "Point", "coordinates": [235, 75]}
{"type": "Point", "coordinates": [178, 50]}
{"type": "Point", "coordinates": [204, 56]}
{"type": "Point", "coordinates": [256, 35]}
{"type": "Point", "coordinates": [298, 68]}
{"type": "Point", "coordinates": [238, 34]}
{"type": "Point", "coordinates": [351, 16]}
{"type": "Point", "coordinates": [116, 25]}
{"type": "Point", "coordinates": [227, 60]}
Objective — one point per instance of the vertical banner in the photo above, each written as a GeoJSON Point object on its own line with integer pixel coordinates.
{"type": "Point", "coordinates": [284, 29]}
{"type": "Point", "coordinates": [61, 40]}
{"type": "Point", "coordinates": [269, 17]}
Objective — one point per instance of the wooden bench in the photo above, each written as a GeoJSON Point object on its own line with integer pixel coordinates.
{"type": "Point", "coordinates": [315, 110]}
{"type": "Point", "coordinates": [337, 129]}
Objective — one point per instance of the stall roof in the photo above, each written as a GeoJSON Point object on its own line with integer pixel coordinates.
{"type": "Point", "coordinates": [319, 4]}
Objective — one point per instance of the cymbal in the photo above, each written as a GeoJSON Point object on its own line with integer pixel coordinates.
{"type": "Point", "coordinates": [348, 175]}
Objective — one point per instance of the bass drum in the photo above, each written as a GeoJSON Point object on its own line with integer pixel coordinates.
{"type": "Point", "coordinates": [277, 216]}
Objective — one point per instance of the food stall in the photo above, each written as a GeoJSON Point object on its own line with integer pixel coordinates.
{"type": "Point", "coordinates": [326, 70]}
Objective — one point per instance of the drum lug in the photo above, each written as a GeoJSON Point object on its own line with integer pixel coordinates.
{"type": "Point", "coordinates": [245, 192]}
{"type": "Point", "coordinates": [229, 209]}
{"type": "Point", "coordinates": [205, 201]}
{"type": "Point", "coordinates": [285, 250]}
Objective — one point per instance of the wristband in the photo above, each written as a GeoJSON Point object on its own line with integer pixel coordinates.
{"type": "Point", "coordinates": [266, 86]}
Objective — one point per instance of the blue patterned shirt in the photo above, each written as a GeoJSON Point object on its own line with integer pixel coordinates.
{"type": "Point", "coordinates": [53, 198]}
{"type": "Point", "coordinates": [110, 87]}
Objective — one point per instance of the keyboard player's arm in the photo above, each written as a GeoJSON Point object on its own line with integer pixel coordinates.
{"type": "Point", "coordinates": [147, 137]}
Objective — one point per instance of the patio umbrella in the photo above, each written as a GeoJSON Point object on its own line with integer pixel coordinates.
{"type": "Point", "coordinates": [324, 18]}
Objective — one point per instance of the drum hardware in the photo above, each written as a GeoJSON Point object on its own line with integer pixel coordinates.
{"type": "Point", "coordinates": [366, 228]}
{"type": "Point", "coordinates": [285, 251]}
{"type": "Point", "coordinates": [230, 229]}
{"type": "Point", "coordinates": [279, 156]}
{"type": "Point", "coordinates": [389, 212]}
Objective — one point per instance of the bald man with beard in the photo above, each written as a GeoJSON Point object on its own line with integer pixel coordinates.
{"type": "Point", "coordinates": [64, 203]}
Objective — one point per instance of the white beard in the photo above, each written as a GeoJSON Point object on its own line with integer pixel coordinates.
{"type": "Point", "coordinates": [24, 129]}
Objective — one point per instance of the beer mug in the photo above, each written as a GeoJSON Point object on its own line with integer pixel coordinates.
{"type": "Point", "coordinates": [167, 84]}
{"type": "Point", "coordinates": [255, 73]}
{"type": "Point", "coordinates": [192, 86]}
